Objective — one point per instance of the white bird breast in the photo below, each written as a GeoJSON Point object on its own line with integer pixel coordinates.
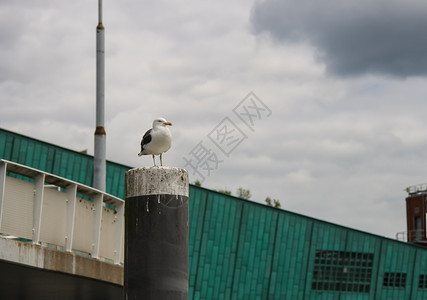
{"type": "Point", "coordinates": [160, 141]}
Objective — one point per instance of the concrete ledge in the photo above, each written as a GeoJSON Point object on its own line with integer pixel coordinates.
{"type": "Point", "coordinates": [67, 262]}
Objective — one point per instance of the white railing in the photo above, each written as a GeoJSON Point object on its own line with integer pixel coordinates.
{"type": "Point", "coordinates": [54, 211]}
{"type": "Point", "coordinates": [412, 236]}
{"type": "Point", "coordinates": [417, 189]}
{"type": "Point", "coordinates": [402, 236]}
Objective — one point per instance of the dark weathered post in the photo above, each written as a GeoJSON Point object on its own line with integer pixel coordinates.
{"type": "Point", "coordinates": [156, 234]}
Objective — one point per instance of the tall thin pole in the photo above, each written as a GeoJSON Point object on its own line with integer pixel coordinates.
{"type": "Point", "coordinates": [99, 169]}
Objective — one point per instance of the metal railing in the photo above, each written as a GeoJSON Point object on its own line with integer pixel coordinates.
{"type": "Point", "coordinates": [417, 189]}
{"type": "Point", "coordinates": [51, 210]}
{"type": "Point", "coordinates": [412, 236]}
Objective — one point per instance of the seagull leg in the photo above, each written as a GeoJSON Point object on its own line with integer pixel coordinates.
{"type": "Point", "coordinates": [154, 161]}
{"type": "Point", "coordinates": [161, 162]}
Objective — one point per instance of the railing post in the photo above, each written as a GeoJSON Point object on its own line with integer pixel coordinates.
{"type": "Point", "coordinates": [156, 234]}
{"type": "Point", "coordinates": [71, 213]}
{"type": "Point", "coordinates": [38, 206]}
{"type": "Point", "coordinates": [3, 166]}
{"type": "Point", "coordinates": [118, 233]}
{"type": "Point", "coordinates": [97, 219]}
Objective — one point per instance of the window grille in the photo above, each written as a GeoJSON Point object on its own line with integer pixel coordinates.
{"type": "Point", "coordinates": [394, 280]}
{"type": "Point", "coordinates": [422, 281]}
{"type": "Point", "coordinates": [342, 271]}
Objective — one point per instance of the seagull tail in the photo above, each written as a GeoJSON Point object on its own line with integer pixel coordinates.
{"type": "Point", "coordinates": [140, 154]}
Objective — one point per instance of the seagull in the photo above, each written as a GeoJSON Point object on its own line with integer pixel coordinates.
{"type": "Point", "coordinates": [156, 140]}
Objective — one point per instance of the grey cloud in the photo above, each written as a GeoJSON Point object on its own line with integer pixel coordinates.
{"type": "Point", "coordinates": [352, 38]}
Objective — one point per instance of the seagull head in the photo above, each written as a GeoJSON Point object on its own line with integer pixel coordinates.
{"type": "Point", "coordinates": [161, 122]}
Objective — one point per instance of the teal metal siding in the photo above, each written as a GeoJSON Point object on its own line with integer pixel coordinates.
{"type": "Point", "coordinates": [59, 161]}
{"type": "Point", "coordinates": [419, 268]}
{"type": "Point", "coordinates": [244, 250]}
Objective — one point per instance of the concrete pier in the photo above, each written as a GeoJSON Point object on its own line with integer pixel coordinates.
{"type": "Point", "coordinates": [156, 234]}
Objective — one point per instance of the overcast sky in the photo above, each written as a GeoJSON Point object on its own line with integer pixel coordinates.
{"type": "Point", "coordinates": [320, 104]}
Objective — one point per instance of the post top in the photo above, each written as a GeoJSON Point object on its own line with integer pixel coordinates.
{"type": "Point", "coordinates": [156, 180]}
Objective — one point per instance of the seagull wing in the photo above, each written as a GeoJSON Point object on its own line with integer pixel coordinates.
{"type": "Point", "coordinates": [146, 139]}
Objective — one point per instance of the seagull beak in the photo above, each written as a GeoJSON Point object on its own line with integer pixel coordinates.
{"type": "Point", "coordinates": [168, 123]}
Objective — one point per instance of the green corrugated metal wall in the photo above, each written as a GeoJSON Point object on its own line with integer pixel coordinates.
{"type": "Point", "coordinates": [60, 161]}
{"type": "Point", "coordinates": [244, 250]}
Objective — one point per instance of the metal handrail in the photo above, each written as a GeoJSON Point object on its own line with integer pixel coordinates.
{"type": "Point", "coordinates": [417, 189]}
{"type": "Point", "coordinates": [415, 235]}
{"type": "Point", "coordinates": [73, 189]}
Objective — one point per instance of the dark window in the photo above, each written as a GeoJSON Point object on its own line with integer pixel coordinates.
{"type": "Point", "coordinates": [342, 271]}
{"type": "Point", "coordinates": [394, 280]}
{"type": "Point", "coordinates": [422, 281]}
{"type": "Point", "coordinates": [418, 230]}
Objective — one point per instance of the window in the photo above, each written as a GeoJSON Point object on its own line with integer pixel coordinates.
{"type": "Point", "coordinates": [342, 271]}
{"type": "Point", "coordinates": [418, 230]}
{"type": "Point", "coordinates": [394, 280]}
{"type": "Point", "coordinates": [422, 281]}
